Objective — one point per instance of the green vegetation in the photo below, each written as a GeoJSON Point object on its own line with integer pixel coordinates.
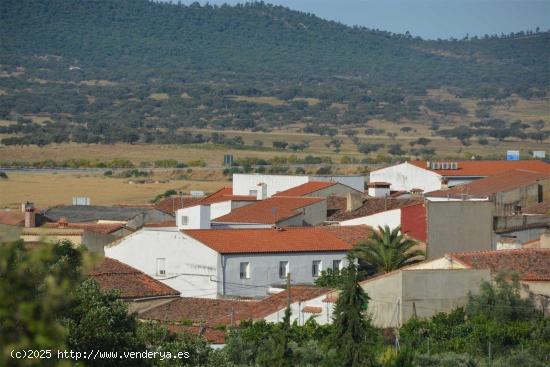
{"type": "Point", "coordinates": [147, 72]}
{"type": "Point", "coordinates": [387, 250]}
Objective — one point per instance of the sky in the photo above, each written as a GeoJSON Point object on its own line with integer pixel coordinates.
{"type": "Point", "coordinates": [429, 19]}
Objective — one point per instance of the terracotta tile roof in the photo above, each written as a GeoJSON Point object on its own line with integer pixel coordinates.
{"type": "Point", "coordinates": [530, 264]}
{"type": "Point", "coordinates": [540, 208]}
{"type": "Point", "coordinates": [306, 188]}
{"type": "Point", "coordinates": [376, 205]}
{"type": "Point", "coordinates": [350, 234]}
{"type": "Point", "coordinates": [212, 335]}
{"type": "Point", "coordinates": [312, 309]}
{"type": "Point", "coordinates": [487, 168]}
{"type": "Point", "coordinates": [105, 228]}
{"type": "Point", "coordinates": [278, 301]}
{"type": "Point", "coordinates": [111, 274]}
{"type": "Point", "coordinates": [12, 218]}
{"type": "Point", "coordinates": [500, 182]}
{"type": "Point", "coordinates": [171, 204]}
{"type": "Point", "coordinates": [211, 311]}
{"type": "Point", "coordinates": [226, 194]}
{"type": "Point", "coordinates": [269, 211]}
{"type": "Point", "coordinates": [269, 240]}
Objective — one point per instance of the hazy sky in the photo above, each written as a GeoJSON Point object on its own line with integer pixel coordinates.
{"type": "Point", "coordinates": [427, 18]}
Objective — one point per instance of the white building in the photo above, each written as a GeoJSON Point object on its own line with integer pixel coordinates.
{"type": "Point", "coordinates": [250, 184]}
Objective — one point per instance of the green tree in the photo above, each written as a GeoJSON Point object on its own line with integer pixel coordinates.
{"type": "Point", "coordinates": [351, 328]}
{"type": "Point", "coordinates": [36, 286]}
{"type": "Point", "coordinates": [387, 250]}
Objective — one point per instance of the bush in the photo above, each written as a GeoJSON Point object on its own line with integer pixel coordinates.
{"type": "Point", "coordinates": [3, 175]}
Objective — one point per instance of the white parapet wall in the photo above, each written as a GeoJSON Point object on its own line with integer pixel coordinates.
{"type": "Point", "coordinates": [406, 176]}
{"type": "Point", "coordinates": [390, 218]}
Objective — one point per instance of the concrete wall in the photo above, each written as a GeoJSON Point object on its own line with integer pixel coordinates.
{"type": "Point", "coordinates": [9, 233]}
{"type": "Point", "coordinates": [458, 226]}
{"type": "Point", "coordinates": [144, 304]}
{"type": "Point", "coordinates": [190, 266]}
{"type": "Point", "coordinates": [391, 218]}
{"type": "Point", "coordinates": [523, 196]}
{"type": "Point", "coordinates": [396, 296]}
{"type": "Point", "coordinates": [335, 190]}
{"type": "Point", "coordinates": [355, 182]}
{"type": "Point", "coordinates": [406, 176]}
{"type": "Point", "coordinates": [264, 271]}
{"type": "Point", "coordinates": [96, 241]}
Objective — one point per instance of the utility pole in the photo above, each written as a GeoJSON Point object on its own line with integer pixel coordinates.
{"type": "Point", "coordinates": [232, 316]}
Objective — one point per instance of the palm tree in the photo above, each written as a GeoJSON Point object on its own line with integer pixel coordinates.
{"type": "Point", "coordinates": [387, 250]}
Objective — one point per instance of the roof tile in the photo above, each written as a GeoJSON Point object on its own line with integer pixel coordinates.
{"type": "Point", "coordinates": [306, 188]}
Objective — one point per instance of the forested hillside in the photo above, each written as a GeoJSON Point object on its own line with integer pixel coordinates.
{"type": "Point", "coordinates": [134, 70]}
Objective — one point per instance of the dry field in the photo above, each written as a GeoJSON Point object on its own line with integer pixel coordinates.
{"type": "Point", "coordinates": [48, 189]}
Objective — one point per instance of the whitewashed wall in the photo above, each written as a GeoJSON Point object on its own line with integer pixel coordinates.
{"type": "Point", "coordinates": [325, 317]}
{"type": "Point", "coordinates": [406, 176]}
{"type": "Point", "coordinates": [391, 218]}
{"type": "Point", "coordinates": [190, 266]}
{"type": "Point", "coordinates": [243, 183]}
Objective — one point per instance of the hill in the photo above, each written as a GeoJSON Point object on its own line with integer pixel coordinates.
{"type": "Point", "coordinates": [135, 70]}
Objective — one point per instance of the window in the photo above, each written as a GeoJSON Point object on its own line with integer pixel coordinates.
{"type": "Point", "coordinates": [540, 194]}
{"type": "Point", "coordinates": [245, 270]}
{"type": "Point", "coordinates": [184, 220]}
{"type": "Point", "coordinates": [283, 269]}
{"type": "Point", "coordinates": [253, 192]}
{"type": "Point", "coordinates": [161, 267]}
{"type": "Point", "coordinates": [336, 264]}
{"type": "Point", "coordinates": [316, 268]}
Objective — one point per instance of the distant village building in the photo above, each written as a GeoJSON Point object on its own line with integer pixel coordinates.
{"type": "Point", "coordinates": [139, 290]}
{"type": "Point", "coordinates": [431, 176]}
{"type": "Point", "coordinates": [235, 262]}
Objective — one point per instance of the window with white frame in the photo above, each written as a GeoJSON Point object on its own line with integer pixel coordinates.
{"type": "Point", "coordinates": [336, 265]}
{"type": "Point", "coordinates": [161, 267]}
{"type": "Point", "coordinates": [184, 220]}
{"type": "Point", "coordinates": [283, 269]}
{"type": "Point", "coordinates": [245, 270]}
{"type": "Point", "coordinates": [316, 268]}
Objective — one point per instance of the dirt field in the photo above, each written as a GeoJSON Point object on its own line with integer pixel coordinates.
{"type": "Point", "coordinates": [48, 189]}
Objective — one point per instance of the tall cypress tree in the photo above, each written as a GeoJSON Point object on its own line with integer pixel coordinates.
{"type": "Point", "coordinates": [351, 328]}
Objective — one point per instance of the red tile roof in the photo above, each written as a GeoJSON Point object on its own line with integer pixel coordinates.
{"type": "Point", "coordinates": [487, 168]}
{"type": "Point", "coordinates": [212, 335]}
{"type": "Point", "coordinates": [226, 194]}
{"type": "Point", "coordinates": [12, 218]}
{"type": "Point", "coordinates": [210, 311]}
{"type": "Point", "coordinates": [298, 293]}
{"type": "Point", "coordinates": [111, 274]}
{"type": "Point", "coordinates": [540, 208]}
{"type": "Point", "coordinates": [350, 234]}
{"type": "Point", "coordinates": [268, 240]}
{"type": "Point", "coordinates": [376, 205]}
{"type": "Point", "coordinates": [530, 264]}
{"type": "Point", "coordinates": [269, 211]}
{"type": "Point", "coordinates": [500, 182]}
{"type": "Point", "coordinates": [306, 188]}
{"type": "Point", "coordinates": [173, 203]}
{"type": "Point", "coordinates": [105, 228]}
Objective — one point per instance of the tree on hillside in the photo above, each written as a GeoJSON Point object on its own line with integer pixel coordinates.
{"type": "Point", "coordinates": [351, 328]}
{"type": "Point", "coordinates": [387, 250]}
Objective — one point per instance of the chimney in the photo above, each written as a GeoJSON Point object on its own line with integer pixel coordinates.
{"type": "Point", "coordinates": [62, 223]}
{"type": "Point", "coordinates": [30, 215]}
{"type": "Point", "coordinates": [444, 183]}
{"type": "Point", "coordinates": [353, 201]}
{"type": "Point", "coordinates": [194, 217]}
{"type": "Point", "coordinates": [545, 239]}
{"type": "Point", "coordinates": [379, 189]}
{"type": "Point", "coordinates": [417, 192]}
{"type": "Point", "coordinates": [261, 193]}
